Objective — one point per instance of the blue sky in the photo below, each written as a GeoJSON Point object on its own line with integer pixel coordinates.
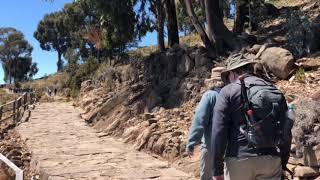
{"type": "Point", "coordinates": [24, 15]}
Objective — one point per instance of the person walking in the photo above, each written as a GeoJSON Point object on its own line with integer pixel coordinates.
{"type": "Point", "coordinates": [201, 124]}
{"type": "Point", "coordinates": [251, 132]}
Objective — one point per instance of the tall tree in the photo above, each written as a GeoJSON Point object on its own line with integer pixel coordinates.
{"type": "Point", "coordinates": [82, 22]}
{"type": "Point", "coordinates": [226, 8]}
{"type": "Point", "coordinates": [240, 15]}
{"type": "Point", "coordinates": [217, 30]}
{"type": "Point", "coordinates": [15, 55]}
{"type": "Point", "coordinates": [115, 23]}
{"type": "Point", "coordinates": [52, 34]}
{"type": "Point", "coordinates": [218, 34]}
{"type": "Point", "coordinates": [33, 70]}
{"type": "Point", "coordinates": [184, 22]}
{"type": "Point", "coordinates": [158, 10]}
{"type": "Point", "coordinates": [22, 69]}
{"type": "Point", "coordinates": [173, 31]}
{"type": "Point", "coordinates": [198, 26]}
{"type": "Point", "coordinates": [249, 13]}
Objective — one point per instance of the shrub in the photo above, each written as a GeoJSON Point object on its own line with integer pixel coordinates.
{"type": "Point", "coordinates": [81, 74]}
{"type": "Point", "coordinates": [300, 75]}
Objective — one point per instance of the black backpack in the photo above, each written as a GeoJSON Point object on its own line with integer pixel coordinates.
{"type": "Point", "coordinates": [260, 102]}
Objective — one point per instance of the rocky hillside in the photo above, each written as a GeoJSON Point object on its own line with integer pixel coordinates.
{"type": "Point", "coordinates": [15, 149]}
{"type": "Point", "coordinates": [150, 102]}
{"type": "Point", "coordinates": [295, 28]}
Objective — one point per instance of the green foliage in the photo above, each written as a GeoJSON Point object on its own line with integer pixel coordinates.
{"type": "Point", "coordinates": [72, 57]}
{"type": "Point", "coordinates": [82, 73]}
{"type": "Point", "coordinates": [15, 56]}
{"type": "Point", "coordinates": [300, 75]}
{"type": "Point", "coordinates": [20, 69]}
{"type": "Point", "coordinates": [96, 28]}
{"type": "Point", "coordinates": [185, 25]}
{"type": "Point", "coordinates": [52, 34]}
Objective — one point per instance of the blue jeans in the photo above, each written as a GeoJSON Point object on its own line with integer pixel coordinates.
{"type": "Point", "coordinates": [205, 165]}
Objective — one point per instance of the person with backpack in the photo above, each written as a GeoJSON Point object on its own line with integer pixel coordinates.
{"type": "Point", "coordinates": [251, 132]}
{"type": "Point", "coordinates": [201, 125]}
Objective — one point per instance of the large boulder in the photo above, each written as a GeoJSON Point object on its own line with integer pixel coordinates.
{"type": "Point", "coordinates": [279, 61]}
{"type": "Point", "coordinates": [309, 63]}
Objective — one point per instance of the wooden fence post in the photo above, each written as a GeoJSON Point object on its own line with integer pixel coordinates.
{"type": "Point", "coordinates": [1, 110]}
{"type": "Point", "coordinates": [14, 111]}
{"type": "Point", "coordinates": [25, 101]}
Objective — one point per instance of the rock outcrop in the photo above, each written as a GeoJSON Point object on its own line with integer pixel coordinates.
{"type": "Point", "coordinates": [150, 103]}
{"type": "Point", "coordinates": [296, 28]}
{"type": "Point", "coordinates": [279, 61]}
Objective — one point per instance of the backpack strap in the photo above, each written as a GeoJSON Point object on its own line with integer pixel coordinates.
{"type": "Point", "coordinates": [275, 109]}
{"type": "Point", "coordinates": [246, 104]}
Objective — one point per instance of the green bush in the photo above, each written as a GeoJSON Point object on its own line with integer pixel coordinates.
{"type": "Point", "coordinates": [300, 75]}
{"type": "Point", "coordinates": [82, 73]}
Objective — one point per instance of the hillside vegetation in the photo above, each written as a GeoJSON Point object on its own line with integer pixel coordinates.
{"type": "Point", "coordinates": [6, 97]}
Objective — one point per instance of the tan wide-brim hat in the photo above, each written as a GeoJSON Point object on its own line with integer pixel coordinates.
{"type": "Point", "coordinates": [234, 62]}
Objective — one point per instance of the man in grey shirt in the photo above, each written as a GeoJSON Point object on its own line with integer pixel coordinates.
{"type": "Point", "coordinates": [230, 145]}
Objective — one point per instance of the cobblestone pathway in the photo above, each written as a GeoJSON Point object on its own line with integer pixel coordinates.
{"type": "Point", "coordinates": [64, 147]}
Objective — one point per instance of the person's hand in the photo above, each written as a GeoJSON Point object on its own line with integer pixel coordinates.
{"type": "Point", "coordinates": [218, 178]}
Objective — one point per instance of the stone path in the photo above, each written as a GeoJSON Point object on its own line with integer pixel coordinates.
{"type": "Point", "coordinates": [64, 147]}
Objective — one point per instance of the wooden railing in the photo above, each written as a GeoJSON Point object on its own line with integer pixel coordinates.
{"type": "Point", "coordinates": [14, 110]}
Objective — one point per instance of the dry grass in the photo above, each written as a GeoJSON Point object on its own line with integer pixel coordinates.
{"type": "Point", "coordinates": [143, 51]}
{"type": "Point", "coordinates": [190, 40]}
{"type": "Point", "coordinates": [40, 86]}
{"type": "Point", "coordinates": [287, 3]}
{"type": "Point", "coordinates": [5, 97]}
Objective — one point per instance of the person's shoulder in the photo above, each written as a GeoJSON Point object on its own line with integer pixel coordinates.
{"type": "Point", "coordinates": [230, 86]}
{"type": "Point", "coordinates": [211, 93]}
{"type": "Point", "coordinates": [230, 89]}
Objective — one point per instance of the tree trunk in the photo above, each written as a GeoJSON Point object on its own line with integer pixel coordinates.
{"type": "Point", "coordinates": [239, 17]}
{"type": "Point", "coordinates": [10, 71]}
{"type": "Point", "coordinates": [217, 30]}
{"type": "Point", "coordinates": [173, 32]}
{"type": "Point", "coordinates": [198, 26]}
{"type": "Point", "coordinates": [159, 12]}
{"type": "Point", "coordinates": [59, 63]}
{"type": "Point", "coordinates": [10, 78]}
{"type": "Point", "coordinates": [227, 9]}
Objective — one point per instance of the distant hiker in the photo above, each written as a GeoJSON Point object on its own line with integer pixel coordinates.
{"type": "Point", "coordinates": [49, 91]}
{"type": "Point", "coordinates": [55, 91]}
{"type": "Point", "coordinates": [201, 125]}
{"type": "Point", "coordinates": [250, 129]}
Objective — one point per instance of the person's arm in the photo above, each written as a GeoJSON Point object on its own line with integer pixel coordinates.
{"type": "Point", "coordinates": [201, 119]}
{"type": "Point", "coordinates": [220, 127]}
{"type": "Point", "coordinates": [287, 125]}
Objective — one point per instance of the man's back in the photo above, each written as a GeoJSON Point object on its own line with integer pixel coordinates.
{"type": "Point", "coordinates": [228, 116]}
